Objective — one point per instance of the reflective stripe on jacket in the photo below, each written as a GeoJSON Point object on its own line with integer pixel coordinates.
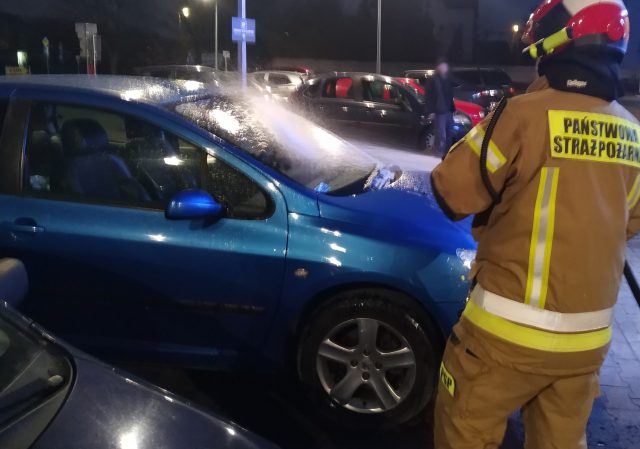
{"type": "Point", "coordinates": [567, 166]}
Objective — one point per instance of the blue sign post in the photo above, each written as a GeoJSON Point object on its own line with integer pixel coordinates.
{"type": "Point", "coordinates": [243, 31]}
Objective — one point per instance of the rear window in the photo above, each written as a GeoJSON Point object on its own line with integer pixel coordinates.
{"type": "Point", "coordinates": [496, 77]}
{"type": "Point", "coordinates": [471, 77]}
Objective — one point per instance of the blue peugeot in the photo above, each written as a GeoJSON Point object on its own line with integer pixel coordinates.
{"type": "Point", "coordinates": [165, 221]}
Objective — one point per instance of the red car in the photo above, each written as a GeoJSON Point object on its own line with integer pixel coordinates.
{"type": "Point", "coordinates": [475, 112]}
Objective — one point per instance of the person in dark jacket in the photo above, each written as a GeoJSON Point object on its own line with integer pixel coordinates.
{"type": "Point", "coordinates": [440, 107]}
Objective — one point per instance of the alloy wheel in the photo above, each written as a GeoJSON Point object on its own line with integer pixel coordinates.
{"type": "Point", "coordinates": [366, 366]}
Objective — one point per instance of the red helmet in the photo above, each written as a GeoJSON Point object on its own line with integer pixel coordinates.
{"type": "Point", "coordinates": [556, 23]}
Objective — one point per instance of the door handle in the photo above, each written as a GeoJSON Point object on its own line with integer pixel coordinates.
{"type": "Point", "coordinates": [23, 227]}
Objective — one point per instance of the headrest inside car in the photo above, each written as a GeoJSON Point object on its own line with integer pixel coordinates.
{"type": "Point", "coordinates": [14, 282]}
{"type": "Point", "coordinates": [83, 136]}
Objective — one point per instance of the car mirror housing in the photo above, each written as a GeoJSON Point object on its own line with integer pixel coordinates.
{"type": "Point", "coordinates": [193, 205]}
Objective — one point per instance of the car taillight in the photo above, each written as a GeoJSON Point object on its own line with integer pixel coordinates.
{"type": "Point", "coordinates": [512, 90]}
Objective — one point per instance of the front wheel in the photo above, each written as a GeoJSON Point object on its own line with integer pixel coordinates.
{"type": "Point", "coordinates": [368, 361]}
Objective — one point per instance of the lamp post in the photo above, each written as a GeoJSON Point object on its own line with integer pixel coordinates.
{"type": "Point", "coordinates": [379, 41]}
{"type": "Point", "coordinates": [215, 50]}
{"type": "Point", "coordinates": [242, 45]}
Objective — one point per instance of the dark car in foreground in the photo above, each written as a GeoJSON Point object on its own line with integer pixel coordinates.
{"type": "Point", "coordinates": [374, 106]}
{"type": "Point", "coordinates": [480, 85]}
{"type": "Point", "coordinates": [169, 221]}
{"type": "Point", "coordinates": [53, 396]}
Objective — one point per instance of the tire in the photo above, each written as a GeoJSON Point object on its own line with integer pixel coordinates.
{"type": "Point", "coordinates": [426, 141]}
{"type": "Point", "coordinates": [348, 371]}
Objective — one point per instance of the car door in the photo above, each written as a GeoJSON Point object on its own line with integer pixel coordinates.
{"type": "Point", "coordinates": [113, 272]}
{"type": "Point", "coordinates": [337, 101]}
{"type": "Point", "coordinates": [390, 113]}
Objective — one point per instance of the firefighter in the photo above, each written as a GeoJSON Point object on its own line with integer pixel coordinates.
{"type": "Point", "coordinates": [553, 180]}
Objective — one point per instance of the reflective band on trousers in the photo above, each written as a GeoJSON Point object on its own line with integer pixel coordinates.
{"type": "Point", "coordinates": [533, 338]}
{"type": "Point", "coordinates": [495, 159]}
{"type": "Point", "coordinates": [542, 238]}
{"type": "Point", "coordinates": [542, 319]}
{"type": "Point", "coordinates": [634, 194]}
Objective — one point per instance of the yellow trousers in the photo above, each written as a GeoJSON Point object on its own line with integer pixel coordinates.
{"type": "Point", "coordinates": [476, 398]}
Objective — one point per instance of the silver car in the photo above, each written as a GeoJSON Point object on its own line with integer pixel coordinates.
{"type": "Point", "coordinates": [277, 84]}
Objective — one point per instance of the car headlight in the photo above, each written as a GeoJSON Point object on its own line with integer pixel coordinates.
{"type": "Point", "coordinates": [467, 257]}
{"type": "Point", "coordinates": [461, 119]}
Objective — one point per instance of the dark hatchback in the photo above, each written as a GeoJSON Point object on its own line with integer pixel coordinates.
{"type": "Point", "coordinates": [372, 106]}
{"type": "Point", "coordinates": [53, 396]}
{"type": "Point", "coordinates": [483, 86]}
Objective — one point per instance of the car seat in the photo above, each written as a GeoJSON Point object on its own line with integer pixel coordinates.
{"type": "Point", "coordinates": [14, 283]}
{"type": "Point", "coordinates": [90, 170]}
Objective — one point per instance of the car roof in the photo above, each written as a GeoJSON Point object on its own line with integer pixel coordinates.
{"type": "Point", "coordinates": [193, 68]}
{"type": "Point", "coordinates": [130, 88]}
{"type": "Point", "coordinates": [279, 72]}
{"type": "Point", "coordinates": [386, 78]}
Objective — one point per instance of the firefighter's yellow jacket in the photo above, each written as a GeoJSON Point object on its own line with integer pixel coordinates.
{"type": "Point", "coordinates": [551, 252]}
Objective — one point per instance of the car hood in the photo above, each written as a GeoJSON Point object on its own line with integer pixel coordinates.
{"type": "Point", "coordinates": [107, 409]}
{"type": "Point", "coordinates": [406, 209]}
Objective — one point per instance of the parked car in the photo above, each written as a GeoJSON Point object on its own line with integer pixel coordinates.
{"type": "Point", "coordinates": [278, 85]}
{"type": "Point", "coordinates": [483, 86]}
{"type": "Point", "coordinates": [372, 106]}
{"type": "Point", "coordinates": [200, 73]}
{"type": "Point", "coordinates": [305, 72]}
{"type": "Point", "coordinates": [163, 221]}
{"type": "Point", "coordinates": [475, 112]}
{"type": "Point", "coordinates": [56, 397]}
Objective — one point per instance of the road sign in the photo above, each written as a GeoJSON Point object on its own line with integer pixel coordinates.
{"type": "Point", "coordinates": [13, 71]}
{"type": "Point", "coordinates": [226, 54]}
{"type": "Point", "coordinates": [243, 30]}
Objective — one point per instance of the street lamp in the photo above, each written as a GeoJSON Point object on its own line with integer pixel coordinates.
{"type": "Point", "coordinates": [379, 42]}
{"type": "Point", "coordinates": [516, 28]}
{"type": "Point", "coordinates": [215, 51]}
{"type": "Point", "coordinates": [186, 12]}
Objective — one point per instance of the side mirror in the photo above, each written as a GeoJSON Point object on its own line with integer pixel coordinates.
{"type": "Point", "coordinates": [193, 205]}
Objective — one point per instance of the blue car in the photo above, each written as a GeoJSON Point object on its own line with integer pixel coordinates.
{"type": "Point", "coordinates": [53, 396]}
{"type": "Point", "coordinates": [165, 221]}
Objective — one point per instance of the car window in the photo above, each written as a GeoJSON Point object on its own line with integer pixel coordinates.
{"type": "Point", "coordinates": [381, 92]}
{"type": "Point", "coordinates": [339, 88]}
{"type": "Point", "coordinates": [496, 77]}
{"type": "Point", "coordinates": [469, 77]}
{"type": "Point", "coordinates": [278, 79]}
{"type": "Point", "coordinates": [90, 155]}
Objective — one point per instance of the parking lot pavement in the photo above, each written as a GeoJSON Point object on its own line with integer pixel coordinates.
{"type": "Point", "coordinates": [615, 423]}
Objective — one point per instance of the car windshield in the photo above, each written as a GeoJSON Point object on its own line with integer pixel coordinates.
{"type": "Point", "coordinates": [30, 370]}
{"type": "Point", "coordinates": [469, 77]}
{"type": "Point", "coordinates": [283, 140]}
{"type": "Point", "coordinates": [496, 78]}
